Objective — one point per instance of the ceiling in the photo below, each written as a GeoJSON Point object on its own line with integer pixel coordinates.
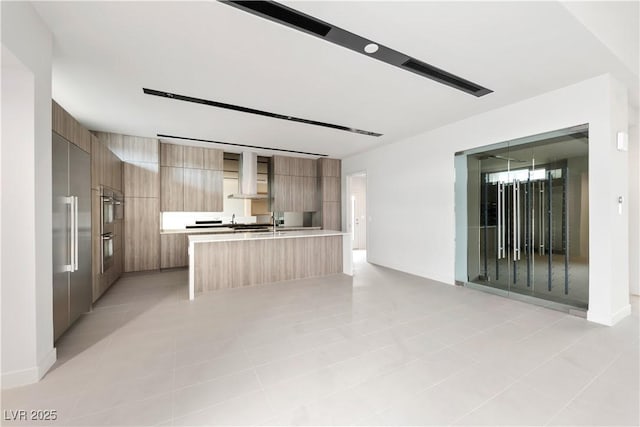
{"type": "Point", "coordinates": [106, 52]}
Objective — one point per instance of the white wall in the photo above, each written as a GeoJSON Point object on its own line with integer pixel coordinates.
{"type": "Point", "coordinates": [415, 177]}
{"type": "Point", "coordinates": [634, 207]}
{"type": "Point", "coordinates": [27, 330]}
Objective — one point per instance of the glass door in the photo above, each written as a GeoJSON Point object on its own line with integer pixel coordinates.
{"type": "Point", "coordinates": [527, 216]}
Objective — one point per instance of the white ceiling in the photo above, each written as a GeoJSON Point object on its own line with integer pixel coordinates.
{"type": "Point", "coordinates": [106, 52]}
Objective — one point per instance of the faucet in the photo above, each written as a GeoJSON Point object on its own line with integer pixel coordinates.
{"type": "Point", "coordinates": [274, 223]}
{"type": "Point", "coordinates": [233, 219]}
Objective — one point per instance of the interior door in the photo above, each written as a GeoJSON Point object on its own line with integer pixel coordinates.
{"type": "Point", "coordinates": [359, 220]}
{"type": "Point", "coordinates": [527, 216]}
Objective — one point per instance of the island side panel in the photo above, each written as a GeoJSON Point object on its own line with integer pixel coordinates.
{"type": "Point", "coordinates": [234, 264]}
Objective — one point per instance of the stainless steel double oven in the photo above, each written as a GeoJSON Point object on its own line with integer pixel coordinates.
{"type": "Point", "coordinates": [111, 211]}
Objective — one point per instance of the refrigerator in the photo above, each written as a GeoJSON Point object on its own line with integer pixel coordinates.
{"type": "Point", "coordinates": [72, 284]}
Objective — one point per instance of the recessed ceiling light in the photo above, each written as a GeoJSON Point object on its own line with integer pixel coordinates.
{"type": "Point", "coordinates": [371, 48]}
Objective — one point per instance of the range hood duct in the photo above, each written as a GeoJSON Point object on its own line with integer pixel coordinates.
{"type": "Point", "coordinates": [248, 177]}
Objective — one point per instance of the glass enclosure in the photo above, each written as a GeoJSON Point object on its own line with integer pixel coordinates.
{"type": "Point", "coordinates": [528, 216]}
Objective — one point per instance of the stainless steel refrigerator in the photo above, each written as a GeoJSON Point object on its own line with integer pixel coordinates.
{"type": "Point", "coordinates": [72, 289]}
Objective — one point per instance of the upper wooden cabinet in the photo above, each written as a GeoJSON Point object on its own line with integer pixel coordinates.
{"type": "Point", "coordinates": [280, 165]}
{"type": "Point", "coordinates": [213, 183]}
{"type": "Point", "coordinates": [106, 167]}
{"type": "Point", "coordinates": [141, 179]}
{"type": "Point", "coordinates": [295, 184]}
{"type": "Point", "coordinates": [329, 167]}
{"type": "Point", "coordinates": [66, 126]}
{"type": "Point", "coordinates": [138, 149]}
{"type": "Point", "coordinates": [213, 159]}
{"type": "Point", "coordinates": [191, 179]}
{"type": "Point", "coordinates": [194, 157]}
{"type": "Point", "coordinates": [294, 166]}
{"type": "Point", "coordinates": [171, 189]}
{"type": "Point", "coordinates": [171, 155]}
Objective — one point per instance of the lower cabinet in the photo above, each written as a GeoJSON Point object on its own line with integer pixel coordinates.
{"type": "Point", "coordinates": [173, 250]}
{"type": "Point", "coordinates": [141, 237]}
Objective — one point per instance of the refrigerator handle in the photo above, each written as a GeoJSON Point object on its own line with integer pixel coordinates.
{"type": "Point", "coordinates": [499, 218]}
{"type": "Point", "coordinates": [70, 236]}
{"type": "Point", "coordinates": [75, 234]}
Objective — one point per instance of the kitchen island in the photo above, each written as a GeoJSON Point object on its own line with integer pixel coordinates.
{"type": "Point", "coordinates": [223, 261]}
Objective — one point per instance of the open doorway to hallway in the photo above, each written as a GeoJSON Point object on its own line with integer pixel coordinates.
{"type": "Point", "coordinates": [357, 215]}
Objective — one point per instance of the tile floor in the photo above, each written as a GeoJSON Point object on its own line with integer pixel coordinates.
{"type": "Point", "coordinates": [381, 348]}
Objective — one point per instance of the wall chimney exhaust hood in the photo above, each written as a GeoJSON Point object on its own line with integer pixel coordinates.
{"type": "Point", "coordinates": [248, 177]}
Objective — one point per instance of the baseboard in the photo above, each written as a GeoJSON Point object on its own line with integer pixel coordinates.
{"type": "Point", "coordinates": [609, 320]}
{"type": "Point", "coordinates": [29, 375]}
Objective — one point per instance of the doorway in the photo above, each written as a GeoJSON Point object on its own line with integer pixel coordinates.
{"type": "Point", "coordinates": [527, 207]}
{"type": "Point", "coordinates": [357, 215]}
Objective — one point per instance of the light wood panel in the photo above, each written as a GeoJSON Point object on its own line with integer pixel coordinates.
{"type": "Point", "coordinates": [141, 179]}
{"type": "Point", "coordinates": [282, 201]}
{"type": "Point", "coordinates": [98, 153]}
{"type": "Point", "coordinates": [194, 157]}
{"type": "Point", "coordinates": [297, 193]}
{"type": "Point", "coordinates": [138, 149]}
{"type": "Point", "coordinates": [329, 167]}
{"type": "Point", "coordinates": [330, 189]}
{"type": "Point", "coordinates": [173, 250]}
{"type": "Point", "coordinates": [213, 185]}
{"type": "Point", "coordinates": [171, 189]}
{"type": "Point", "coordinates": [193, 190]}
{"type": "Point", "coordinates": [171, 155]}
{"type": "Point", "coordinates": [331, 216]}
{"type": "Point", "coordinates": [221, 265]}
{"type": "Point", "coordinates": [113, 141]}
{"type": "Point", "coordinates": [281, 165]}
{"type": "Point", "coordinates": [141, 235]}
{"type": "Point", "coordinates": [106, 167]}
{"type": "Point", "coordinates": [213, 159]}
{"type": "Point", "coordinates": [310, 192]}
{"type": "Point", "coordinates": [69, 128]}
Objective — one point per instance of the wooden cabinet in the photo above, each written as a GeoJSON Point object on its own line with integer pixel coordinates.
{"type": "Point", "coordinates": [213, 190]}
{"type": "Point", "coordinates": [280, 165]}
{"type": "Point", "coordinates": [331, 216]}
{"type": "Point", "coordinates": [329, 167]}
{"type": "Point", "coordinates": [106, 167]}
{"type": "Point", "coordinates": [191, 179]}
{"type": "Point", "coordinates": [141, 179]}
{"type": "Point", "coordinates": [213, 159]}
{"type": "Point", "coordinates": [171, 155]}
{"type": "Point", "coordinates": [330, 189]}
{"type": "Point", "coordinates": [310, 194]}
{"type": "Point", "coordinates": [173, 250]}
{"type": "Point", "coordinates": [172, 189]}
{"type": "Point", "coordinates": [294, 184]}
{"type": "Point", "coordinates": [66, 126]}
{"type": "Point", "coordinates": [138, 149]}
{"type": "Point", "coordinates": [141, 236]}
{"type": "Point", "coordinates": [330, 194]}
{"type": "Point", "coordinates": [193, 190]}
{"type": "Point", "coordinates": [194, 157]}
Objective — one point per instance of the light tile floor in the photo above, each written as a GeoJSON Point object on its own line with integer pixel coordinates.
{"type": "Point", "coordinates": [381, 348]}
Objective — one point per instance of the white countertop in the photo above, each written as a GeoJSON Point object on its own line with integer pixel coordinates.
{"type": "Point", "coordinates": [225, 230]}
{"type": "Point", "coordinates": [200, 238]}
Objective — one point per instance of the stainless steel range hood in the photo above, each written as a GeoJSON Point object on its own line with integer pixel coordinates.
{"type": "Point", "coordinates": [248, 177]}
